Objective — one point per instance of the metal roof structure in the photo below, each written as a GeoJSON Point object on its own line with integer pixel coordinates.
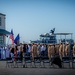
{"type": "Point", "coordinates": [3, 31]}
{"type": "Point", "coordinates": [63, 33]}
{"type": "Point", "coordinates": [48, 35]}
{"type": "Point", "coordinates": [2, 14]}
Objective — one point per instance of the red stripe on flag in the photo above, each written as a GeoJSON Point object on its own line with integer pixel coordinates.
{"type": "Point", "coordinates": [12, 38]}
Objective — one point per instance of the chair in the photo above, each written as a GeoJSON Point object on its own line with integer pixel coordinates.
{"type": "Point", "coordinates": [27, 59]}
{"type": "Point", "coordinates": [37, 60]}
{"type": "Point", "coordinates": [73, 62]}
{"type": "Point", "coordinates": [65, 59]}
{"type": "Point", "coordinates": [45, 60]}
{"type": "Point", "coordinates": [18, 61]}
{"type": "Point", "coordinates": [9, 62]}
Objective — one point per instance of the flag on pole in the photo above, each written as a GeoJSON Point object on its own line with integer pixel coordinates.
{"type": "Point", "coordinates": [12, 37]}
{"type": "Point", "coordinates": [17, 39]}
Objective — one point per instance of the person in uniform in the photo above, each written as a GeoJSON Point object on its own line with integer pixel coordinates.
{"type": "Point", "coordinates": [38, 49]}
{"type": "Point", "coordinates": [12, 52]}
{"type": "Point", "coordinates": [52, 49]}
{"type": "Point", "coordinates": [29, 49]}
{"type": "Point", "coordinates": [7, 52]}
{"type": "Point", "coordinates": [34, 51]}
{"type": "Point", "coordinates": [15, 52]}
{"type": "Point", "coordinates": [49, 51]}
{"type": "Point", "coordinates": [24, 49]}
{"type": "Point", "coordinates": [61, 50]}
{"type": "Point", "coordinates": [43, 49]}
{"type": "Point", "coordinates": [67, 48]}
{"type": "Point", "coordinates": [74, 50]}
{"type": "Point", "coordinates": [57, 49]}
{"type": "Point", "coordinates": [21, 51]}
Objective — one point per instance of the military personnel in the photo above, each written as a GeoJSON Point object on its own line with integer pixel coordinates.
{"type": "Point", "coordinates": [50, 51]}
{"type": "Point", "coordinates": [67, 48]}
{"type": "Point", "coordinates": [61, 50]}
{"type": "Point", "coordinates": [74, 50]}
{"type": "Point", "coordinates": [34, 50]}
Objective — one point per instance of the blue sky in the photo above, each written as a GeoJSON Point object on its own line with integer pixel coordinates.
{"type": "Point", "coordinates": [30, 18]}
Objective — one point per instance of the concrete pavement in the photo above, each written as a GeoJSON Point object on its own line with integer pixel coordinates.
{"type": "Point", "coordinates": [33, 71]}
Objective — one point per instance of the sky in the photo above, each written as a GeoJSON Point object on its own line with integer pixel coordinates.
{"type": "Point", "coordinates": [30, 18]}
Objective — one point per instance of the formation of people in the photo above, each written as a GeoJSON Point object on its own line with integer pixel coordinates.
{"type": "Point", "coordinates": [50, 50]}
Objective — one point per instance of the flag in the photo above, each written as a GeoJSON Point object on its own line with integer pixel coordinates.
{"type": "Point", "coordinates": [17, 39]}
{"type": "Point", "coordinates": [12, 37]}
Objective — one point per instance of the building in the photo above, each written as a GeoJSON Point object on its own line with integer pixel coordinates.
{"type": "Point", "coordinates": [3, 31]}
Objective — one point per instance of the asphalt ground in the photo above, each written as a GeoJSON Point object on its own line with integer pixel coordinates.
{"type": "Point", "coordinates": [34, 71]}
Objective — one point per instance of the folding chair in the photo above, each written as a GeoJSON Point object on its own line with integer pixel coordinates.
{"type": "Point", "coordinates": [73, 62]}
{"type": "Point", "coordinates": [18, 61]}
{"type": "Point", "coordinates": [27, 60]}
{"type": "Point", "coordinates": [37, 60]}
{"type": "Point", "coordinates": [45, 60]}
{"type": "Point", "coordinates": [9, 62]}
{"type": "Point", "coordinates": [65, 59]}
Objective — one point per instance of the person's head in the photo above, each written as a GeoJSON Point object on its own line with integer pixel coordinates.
{"type": "Point", "coordinates": [12, 46]}
{"type": "Point", "coordinates": [61, 43]}
{"type": "Point", "coordinates": [67, 43]}
{"type": "Point", "coordinates": [33, 43]}
{"type": "Point", "coordinates": [51, 44]}
{"type": "Point", "coordinates": [57, 44]}
{"type": "Point", "coordinates": [24, 45]}
{"type": "Point", "coordinates": [48, 45]}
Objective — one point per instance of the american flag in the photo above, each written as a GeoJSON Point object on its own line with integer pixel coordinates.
{"type": "Point", "coordinates": [12, 37]}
